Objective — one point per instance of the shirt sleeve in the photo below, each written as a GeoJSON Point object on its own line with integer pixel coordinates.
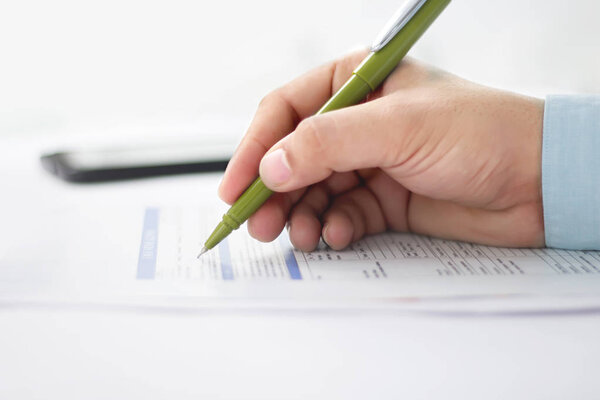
{"type": "Point", "coordinates": [571, 172]}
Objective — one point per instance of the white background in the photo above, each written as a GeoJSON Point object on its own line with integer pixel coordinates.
{"type": "Point", "coordinates": [84, 65]}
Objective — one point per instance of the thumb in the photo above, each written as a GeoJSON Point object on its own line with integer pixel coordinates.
{"type": "Point", "coordinates": [362, 136]}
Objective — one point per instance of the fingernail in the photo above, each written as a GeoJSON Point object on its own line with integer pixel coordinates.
{"type": "Point", "coordinates": [274, 168]}
{"type": "Point", "coordinates": [324, 234]}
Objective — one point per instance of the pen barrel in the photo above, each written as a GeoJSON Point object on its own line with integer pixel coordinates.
{"type": "Point", "coordinates": [250, 201]}
{"type": "Point", "coordinates": [221, 232]}
{"type": "Point", "coordinates": [377, 66]}
{"type": "Point", "coordinates": [353, 92]}
{"type": "Point", "coordinates": [365, 78]}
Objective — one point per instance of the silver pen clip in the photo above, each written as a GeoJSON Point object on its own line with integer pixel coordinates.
{"type": "Point", "coordinates": [396, 23]}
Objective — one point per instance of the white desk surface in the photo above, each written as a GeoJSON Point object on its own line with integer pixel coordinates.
{"type": "Point", "coordinates": [101, 353]}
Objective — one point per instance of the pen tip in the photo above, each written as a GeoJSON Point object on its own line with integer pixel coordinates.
{"type": "Point", "coordinates": [204, 250]}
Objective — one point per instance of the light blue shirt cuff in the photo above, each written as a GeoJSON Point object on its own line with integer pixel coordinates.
{"type": "Point", "coordinates": [571, 172]}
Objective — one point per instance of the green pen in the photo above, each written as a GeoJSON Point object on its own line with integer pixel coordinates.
{"type": "Point", "coordinates": [390, 46]}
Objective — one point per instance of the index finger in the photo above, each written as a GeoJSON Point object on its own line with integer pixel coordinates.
{"type": "Point", "coordinates": [278, 114]}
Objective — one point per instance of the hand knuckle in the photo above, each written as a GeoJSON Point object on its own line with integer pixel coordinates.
{"type": "Point", "coordinates": [312, 136]}
{"type": "Point", "coordinates": [270, 98]}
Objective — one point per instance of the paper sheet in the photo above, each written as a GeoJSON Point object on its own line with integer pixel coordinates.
{"type": "Point", "coordinates": [172, 237]}
{"type": "Point", "coordinates": [96, 246]}
{"type": "Point", "coordinates": [121, 255]}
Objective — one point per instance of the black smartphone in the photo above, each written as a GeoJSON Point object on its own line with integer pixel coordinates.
{"type": "Point", "coordinates": [112, 164]}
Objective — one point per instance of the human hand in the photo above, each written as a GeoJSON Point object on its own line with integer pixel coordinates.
{"type": "Point", "coordinates": [427, 152]}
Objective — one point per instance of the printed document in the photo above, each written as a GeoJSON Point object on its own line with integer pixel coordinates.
{"type": "Point", "coordinates": [385, 265]}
